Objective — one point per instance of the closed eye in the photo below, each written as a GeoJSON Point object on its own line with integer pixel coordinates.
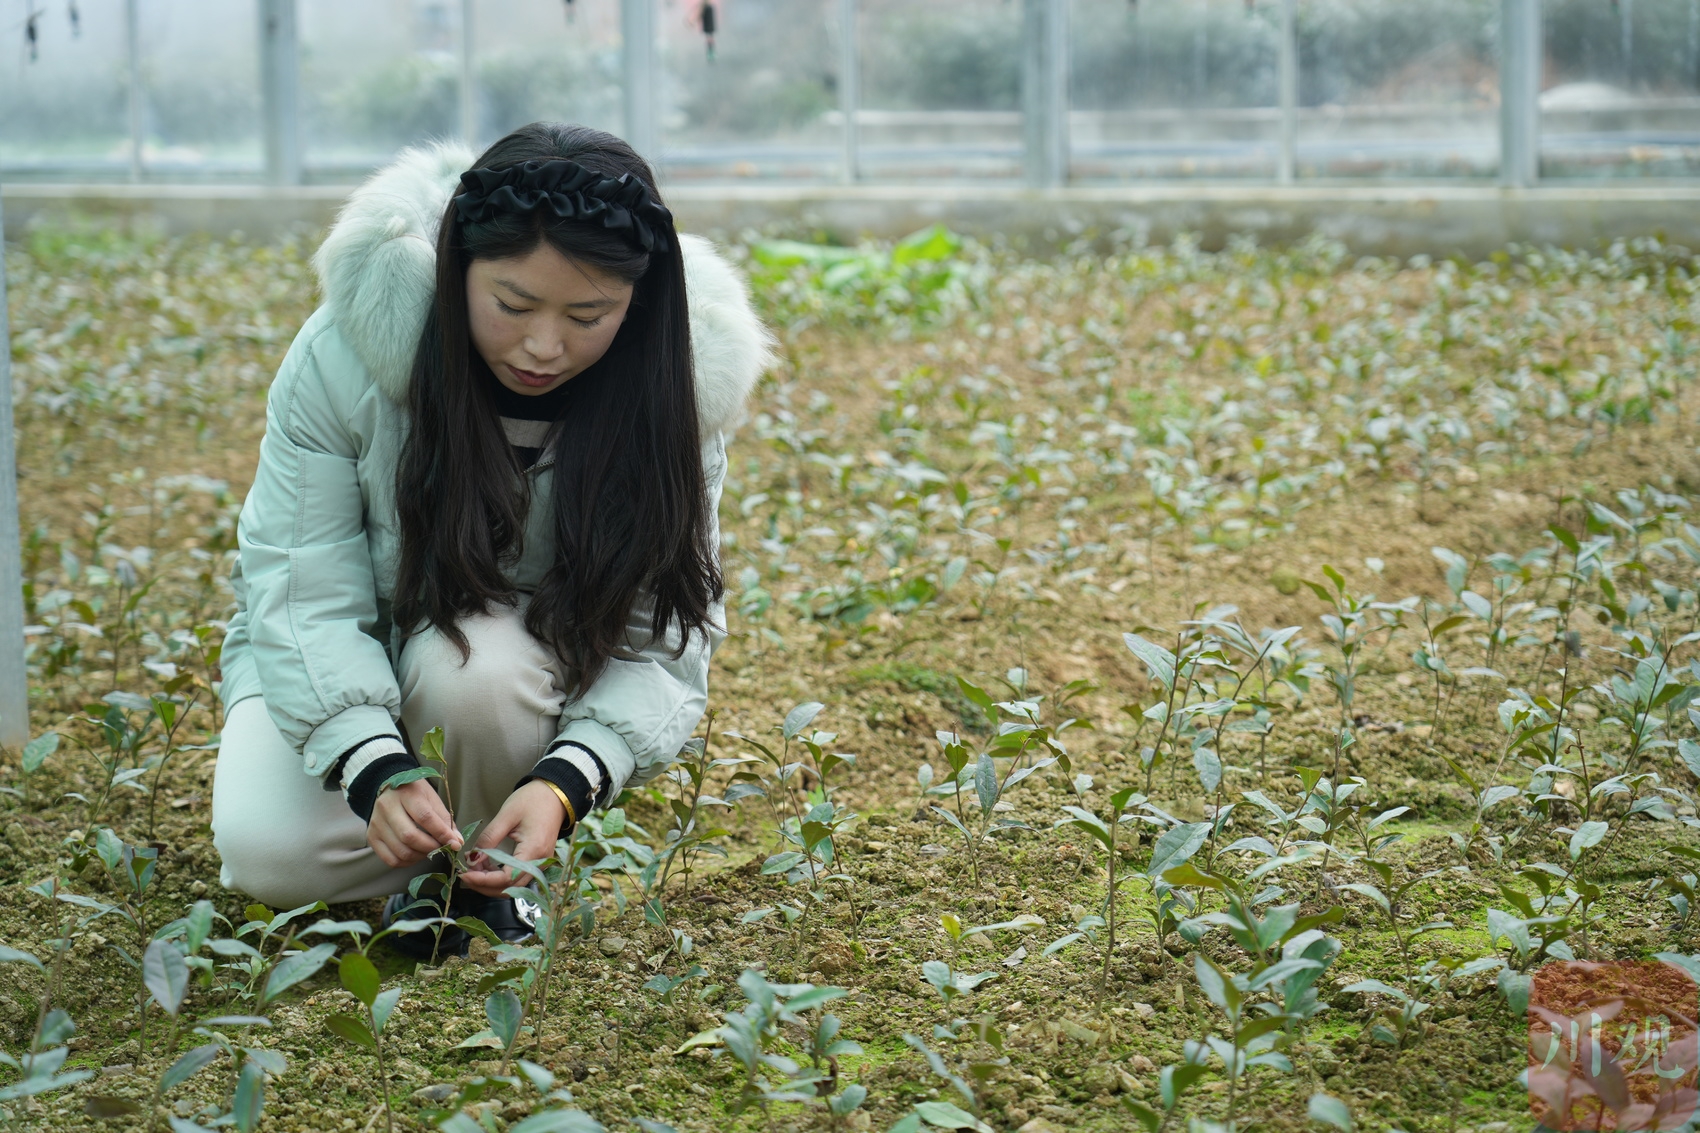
{"type": "Point", "coordinates": [507, 309]}
{"type": "Point", "coordinates": [588, 323]}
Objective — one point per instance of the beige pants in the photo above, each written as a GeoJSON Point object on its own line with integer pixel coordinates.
{"type": "Point", "coordinates": [287, 841]}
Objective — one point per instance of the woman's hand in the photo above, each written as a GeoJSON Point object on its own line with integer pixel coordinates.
{"type": "Point", "coordinates": [532, 817]}
{"type": "Point", "coordinates": [409, 823]}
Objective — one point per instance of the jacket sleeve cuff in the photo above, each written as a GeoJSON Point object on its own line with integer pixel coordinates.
{"type": "Point", "coordinates": [364, 770]}
{"type": "Point", "coordinates": [579, 774]}
{"type": "Point", "coordinates": [609, 749]}
{"type": "Point", "coordinates": [343, 733]}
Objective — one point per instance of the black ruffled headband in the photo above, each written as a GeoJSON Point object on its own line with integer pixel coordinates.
{"type": "Point", "coordinates": [623, 205]}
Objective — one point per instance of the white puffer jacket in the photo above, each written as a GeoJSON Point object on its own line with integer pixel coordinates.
{"type": "Point", "coordinates": [318, 532]}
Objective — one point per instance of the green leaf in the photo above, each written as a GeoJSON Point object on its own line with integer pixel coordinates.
{"type": "Point", "coordinates": [1330, 1110]}
{"type": "Point", "coordinates": [38, 749]}
{"type": "Point", "coordinates": [483, 1040]}
{"type": "Point", "coordinates": [1690, 752]}
{"type": "Point", "coordinates": [1217, 985]}
{"type": "Point", "coordinates": [431, 746]}
{"type": "Point", "coordinates": [849, 1101]}
{"type": "Point", "coordinates": [1208, 764]}
{"type": "Point", "coordinates": [291, 970]}
{"type": "Point", "coordinates": [15, 956]}
{"type": "Point", "coordinates": [944, 1115]}
{"type": "Point", "coordinates": [950, 818]}
{"type": "Point", "coordinates": [1176, 845]}
{"type": "Point", "coordinates": [504, 1010]}
{"type": "Point", "coordinates": [249, 1100]}
{"type": "Point", "coordinates": [1189, 874]}
{"type": "Point", "coordinates": [1173, 1081]}
{"type": "Point", "coordinates": [701, 1038]}
{"type": "Point", "coordinates": [199, 925]}
{"type": "Point", "coordinates": [1159, 662]}
{"type": "Point", "coordinates": [1149, 1119]}
{"type": "Point", "coordinates": [411, 775]}
{"type": "Point", "coordinates": [492, 980]}
{"type": "Point", "coordinates": [986, 783]}
{"type": "Point", "coordinates": [360, 977]}
{"type": "Point", "coordinates": [166, 975]}
{"type": "Point", "coordinates": [801, 717]}
{"type": "Point", "coordinates": [813, 998]}
{"type": "Point", "coordinates": [1514, 986]}
{"type": "Point", "coordinates": [348, 1027]}
{"type": "Point", "coordinates": [1588, 834]}
{"type": "Point", "coordinates": [1689, 964]}
{"type": "Point", "coordinates": [1372, 893]}
{"type": "Point", "coordinates": [559, 1121]}
{"type": "Point", "coordinates": [186, 1067]}
{"type": "Point", "coordinates": [1376, 987]}
{"type": "Point", "coordinates": [478, 928]}
{"type": "Point", "coordinates": [382, 1006]}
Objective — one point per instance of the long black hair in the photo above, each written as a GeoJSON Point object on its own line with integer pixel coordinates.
{"type": "Point", "coordinates": [632, 523]}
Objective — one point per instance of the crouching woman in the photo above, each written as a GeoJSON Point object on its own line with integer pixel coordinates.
{"type": "Point", "coordinates": [485, 502]}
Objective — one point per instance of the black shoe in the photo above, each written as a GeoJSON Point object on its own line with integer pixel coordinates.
{"type": "Point", "coordinates": [425, 944]}
{"type": "Point", "coordinates": [512, 921]}
{"type": "Point", "coordinates": [502, 915]}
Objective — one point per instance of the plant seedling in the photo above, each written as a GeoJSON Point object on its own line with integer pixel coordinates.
{"type": "Point", "coordinates": [359, 977]}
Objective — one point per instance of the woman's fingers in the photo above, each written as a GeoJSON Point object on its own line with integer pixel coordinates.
{"type": "Point", "coordinates": [498, 828]}
{"type": "Point", "coordinates": [429, 814]}
{"type": "Point", "coordinates": [406, 840]}
{"type": "Point", "coordinates": [535, 841]}
{"type": "Point", "coordinates": [531, 816]}
{"type": "Point", "coordinates": [408, 825]}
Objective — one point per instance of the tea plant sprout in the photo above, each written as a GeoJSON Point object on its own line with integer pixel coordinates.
{"type": "Point", "coordinates": [1351, 625]}
{"type": "Point", "coordinates": [360, 978]}
{"type": "Point", "coordinates": [166, 973]}
{"type": "Point", "coordinates": [35, 754]}
{"type": "Point", "coordinates": [434, 765]}
{"type": "Point", "coordinates": [1103, 830]}
{"type": "Point", "coordinates": [752, 1037]}
{"type": "Point", "coordinates": [1020, 730]}
{"type": "Point", "coordinates": [41, 1068]}
{"type": "Point", "coordinates": [691, 836]}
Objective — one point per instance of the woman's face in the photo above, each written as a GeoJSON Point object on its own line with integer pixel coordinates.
{"type": "Point", "coordinates": [540, 320]}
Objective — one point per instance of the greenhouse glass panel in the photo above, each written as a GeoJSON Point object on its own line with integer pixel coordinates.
{"type": "Point", "coordinates": [758, 97]}
{"type": "Point", "coordinates": [375, 76]}
{"type": "Point", "coordinates": [65, 101]}
{"type": "Point", "coordinates": [1388, 88]}
{"type": "Point", "coordinates": [64, 104]}
{"type": "Point", "coordinates": [201, 89]}
{"type": "Point", "coordinates": [941, 89]}
{"type": "Point", "coordinates": [1173, 88]}
{"type": "Point", "coordinates": [1621, 90]}
{"type": "Point", "coordinates": [546, 60]}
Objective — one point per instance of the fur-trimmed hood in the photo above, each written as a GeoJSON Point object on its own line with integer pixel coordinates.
{"type": "Point", "coordinates": [377, 270]}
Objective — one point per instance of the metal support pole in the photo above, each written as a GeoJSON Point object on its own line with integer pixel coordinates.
{"type": "Point", "coordinates": [1519, 93]}
{"type": "Point", "coordinates": [849, 78]}
{"type": "Point", "coordinates": [468, 79]}
{"type": "Point", "coordinates": [1287, 80]}
{"type": "Point", "coordinates": [133, 58]}
{"type": "Point", "coordinates": [280, 91]}
{"type": "Point", "coordinates": [14, 687]}
{"type": "Point", "coordinates": [1044, 92]}
{"type": "Point", "coordinates": [637, 33]}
